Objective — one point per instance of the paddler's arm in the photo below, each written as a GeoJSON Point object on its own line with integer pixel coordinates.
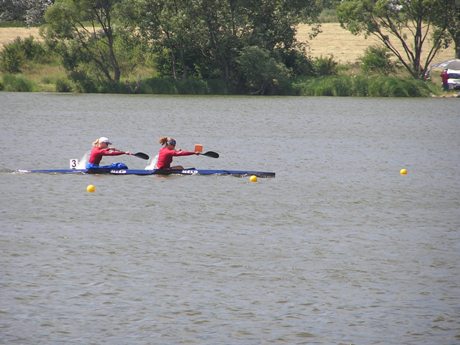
{"type": "Point", "coordinates": [115, 152]}
{"type": "Point", "coordinates": [184, 153]}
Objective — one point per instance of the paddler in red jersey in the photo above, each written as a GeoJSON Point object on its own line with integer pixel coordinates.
{"type": "Point", "coordinates": [101, 148]}
{"type": "Point", "coordinates": [168, 151]}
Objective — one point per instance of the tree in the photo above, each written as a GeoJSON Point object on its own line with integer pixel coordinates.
{"type": "Point", "coordinates": [261, 72]}
{"type": "Point", "coordinates": [36, 10]}
{"type": "Point", "coordinates": [409, 23]}
{"type": "Point", "coordinates": [450, 18]}
{"type": "Point", "coordinates": [12, 10]}
{"type": "Point", "coordinates": [170, 30]}
{"type": "Point", "coordinates": [83, 33]}
{"type": "Point", "coordinates": [454, 27]}
{"type": "Point", "coordinates": [30, 12]}
{"type": "Point", "coordinates": [204, 38]}
{"type": "Point", "coordinates": [16, 54]}
{"type": "Point", "coordinates": [376, 59]}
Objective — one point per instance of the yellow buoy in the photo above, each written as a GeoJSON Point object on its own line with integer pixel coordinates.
{"type": "Point", "coordinates": [253, 178]}
{"type": "Point", "coordinates": [91, 188]}
{"type": "Point", "coordinates": [403, 171]}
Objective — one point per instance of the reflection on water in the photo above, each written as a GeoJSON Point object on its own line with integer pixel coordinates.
{"type": "Point", "coordinates": [339, 248]}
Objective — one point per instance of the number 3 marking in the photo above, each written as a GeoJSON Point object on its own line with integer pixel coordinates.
{"type": "Point", "coordinates": [73, 163]}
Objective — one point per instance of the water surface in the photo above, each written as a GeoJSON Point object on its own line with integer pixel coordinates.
{"type": "Point", "coordinates": [339, 248]}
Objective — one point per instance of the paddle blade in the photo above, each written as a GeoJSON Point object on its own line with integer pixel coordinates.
{"type": "Point", "coordinates": [210, 154]}
{"type": "Point", "coordinates": [142, 155]}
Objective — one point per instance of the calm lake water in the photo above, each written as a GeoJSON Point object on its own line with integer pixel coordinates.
{"type": "Point", "coordinates": [339, 248]}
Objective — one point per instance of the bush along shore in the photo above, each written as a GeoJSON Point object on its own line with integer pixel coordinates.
{"type": "Point", "coordinates": [27, 65]}
{"type": "Point", "coordinates": [337, 85]}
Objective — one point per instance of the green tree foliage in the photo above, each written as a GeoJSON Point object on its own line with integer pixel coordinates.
{"type": "Point", "coordinates": [410, 24]}
{"type": "Point", "coordinates": [11, 59]}
{"type": "Point", "coordinates": [330, 4]}
{"type": "Point", "coordinates": [323, 66]}
{"type": "Point", "coordinates": [29, 12]}
{"type": "Point", "coordinates": [17, 83]}
{"type": "Point", "coordinates": [454, 25]}
{"type": "Point", "coordinates": [63, 85]}
{"type": "Point", "coordinates": [12, 10]}
{"type": "Point", "coordinates": [84, 34]}
{"type": "Point", "coordinates": [377, 59]}
{"type": "Point", "coordinates": [261, 73]}
{"type": "Point", "coordinates": [16, 54]}
{"type": "Point", "coordinates": [205, 38]}
{"type": "Point", "coordinates": [328, 13]}
{"type": "Point", "coordinates": [449, 19]}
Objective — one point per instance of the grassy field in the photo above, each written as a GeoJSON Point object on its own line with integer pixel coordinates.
{"type": "Point", "coordinates": [345, 47]}
{"type": "Point", "coordinates": [333, 40]}
{"type": "Point", "coordinates": [7, 35]}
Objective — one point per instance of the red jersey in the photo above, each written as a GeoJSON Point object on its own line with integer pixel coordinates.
{"type": "Point", "coordinates": [444, 77]}
{"type": "Point", "coordinates": [97, 153]}
{"type": "Point", "coordinates": [165, 157]}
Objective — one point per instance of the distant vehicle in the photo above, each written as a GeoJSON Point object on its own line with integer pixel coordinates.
{"type": "Point", "coordinates": [454, 79]}
{"type": "Point", "coordinates": [453, 71]}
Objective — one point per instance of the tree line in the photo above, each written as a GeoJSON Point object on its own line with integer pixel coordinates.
{"type": "Point", "coordinates": [243, 46]}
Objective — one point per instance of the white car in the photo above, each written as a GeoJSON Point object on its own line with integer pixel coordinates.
{"type": "Point", "coordinates": [454, 79]}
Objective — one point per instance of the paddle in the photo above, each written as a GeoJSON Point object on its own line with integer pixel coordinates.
{"type": "Point", "coordinates": [141, 155]}
{"type": "Point", "coordinates": [210, 154]}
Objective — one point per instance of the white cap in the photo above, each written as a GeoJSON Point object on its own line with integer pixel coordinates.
{"type": "Point", "coordinates": [104, 140]}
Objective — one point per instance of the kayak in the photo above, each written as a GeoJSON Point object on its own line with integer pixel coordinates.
{"type": "Point", "coordinates": [140, 172]}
